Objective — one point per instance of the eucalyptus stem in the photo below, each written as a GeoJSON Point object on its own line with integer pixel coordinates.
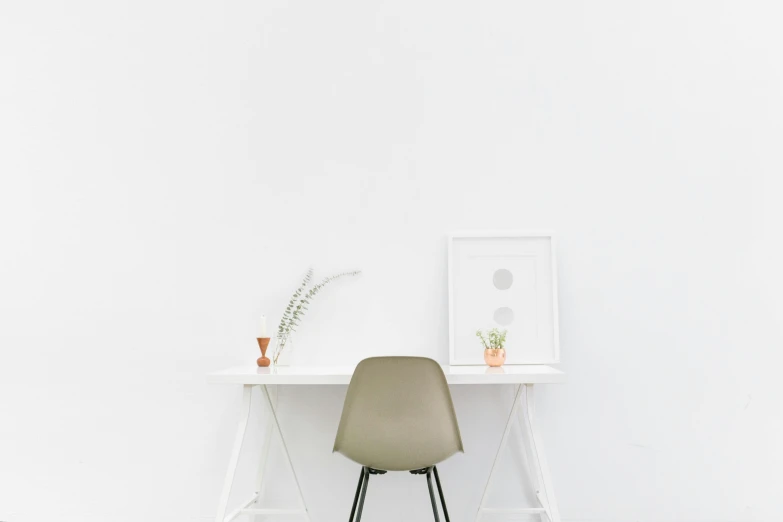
{"type": "Point", "coordinates": [298, 305]}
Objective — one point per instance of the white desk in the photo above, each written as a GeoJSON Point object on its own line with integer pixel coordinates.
{"type": "Point", "coordinates": [524, 377]}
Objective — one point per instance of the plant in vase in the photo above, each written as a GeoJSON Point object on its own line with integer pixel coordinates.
{"type": "Point", "coordinates": [494, 342]}
{"type": "Point", "coordinates": [297, 306]}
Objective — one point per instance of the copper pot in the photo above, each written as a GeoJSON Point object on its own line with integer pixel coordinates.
{"type": "Point", "coordinates": [495, 357]}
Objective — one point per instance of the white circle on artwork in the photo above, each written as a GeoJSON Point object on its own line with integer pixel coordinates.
{"type": "Point", "coordinates": [504, 316]}
{"type": "Point", "coordinates": [503, 279]}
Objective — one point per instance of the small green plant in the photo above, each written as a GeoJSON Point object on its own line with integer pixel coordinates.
{"type": "Point", "coordinates": [492, 339]}
{"type": "Point", "coordinates": [297, 306]}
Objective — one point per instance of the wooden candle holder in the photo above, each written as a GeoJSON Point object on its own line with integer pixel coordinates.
{"type": "Point", "coordinates": [263, 343]}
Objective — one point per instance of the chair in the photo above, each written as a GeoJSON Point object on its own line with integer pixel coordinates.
{"type": "Point", "coordinates": [398, 416]}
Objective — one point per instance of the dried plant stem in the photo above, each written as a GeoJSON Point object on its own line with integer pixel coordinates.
{"type": "Point", "coordinates": [297, 306]}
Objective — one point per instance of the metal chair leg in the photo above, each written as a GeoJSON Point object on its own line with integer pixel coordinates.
{"type": "Point", "coordinates": [356, 496]}
{"type": "Point", "coordinates": [366, 473]}
{"type": "Point", "coordinates": [364, 480]}
{"type": "Point", "coordinates": [432, 495]}
{"type": "Point", "coordinates": [440, 492]}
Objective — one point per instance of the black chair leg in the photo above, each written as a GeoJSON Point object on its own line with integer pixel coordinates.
{"type": "Point", "coordinates": [432, 495]}
{"type": "Point", "coordinates": [356, 496]}
{"type": "Point", "coordinates": [366, 473]}
{"type": "Point", "coordinates": [440, 492]}
{"type": "Point", "coordinates": [364, 480]}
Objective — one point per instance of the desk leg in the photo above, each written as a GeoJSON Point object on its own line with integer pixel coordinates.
{"type": "Point", "coordinates": [511, 416]}
{"type": "Point", "coordinates": [232, 466]}
{"type": "Point", "coordinates": [260, 482]}
{"type": "Point", "coordinates": [537, 460]}
{"type": "Point", "coordinates": [285, 450]}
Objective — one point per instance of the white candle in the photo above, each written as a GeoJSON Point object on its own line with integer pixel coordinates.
{"type": "Point", "coordinates": [262, 327]}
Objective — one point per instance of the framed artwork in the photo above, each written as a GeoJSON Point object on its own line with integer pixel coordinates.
{"type": "Point", "coordinates": [504, 280]}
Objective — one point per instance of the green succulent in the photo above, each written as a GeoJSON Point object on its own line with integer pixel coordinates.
{"type": "Point", "coordinates": [492, 339]}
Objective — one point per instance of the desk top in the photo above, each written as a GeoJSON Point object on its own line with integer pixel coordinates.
{"type": "Point", "coordinates": [303, 375]}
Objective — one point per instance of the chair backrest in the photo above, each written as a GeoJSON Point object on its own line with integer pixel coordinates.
{"type": "Point", "coordinates": [398, 415]}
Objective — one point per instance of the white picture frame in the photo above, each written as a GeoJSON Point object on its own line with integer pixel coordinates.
{"type": "Point", "coordinates": [483, 269]}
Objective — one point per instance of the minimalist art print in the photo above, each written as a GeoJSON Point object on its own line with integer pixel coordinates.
{"type": "Point", "coordinates": [506, 281]}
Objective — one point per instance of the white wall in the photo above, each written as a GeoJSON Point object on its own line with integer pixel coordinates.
{"type": "Point", "coordinates": [170, 169]}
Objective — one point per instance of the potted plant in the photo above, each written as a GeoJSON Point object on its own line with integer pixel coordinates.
{"type": "Point", "coordinates": [494, 342]}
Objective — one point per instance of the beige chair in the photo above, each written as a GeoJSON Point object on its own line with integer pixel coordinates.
{"type": "Point", "coordinates": [398, 416]}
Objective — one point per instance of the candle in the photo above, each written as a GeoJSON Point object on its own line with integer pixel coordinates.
{"type": "Point", "coordinates": [262, 327]}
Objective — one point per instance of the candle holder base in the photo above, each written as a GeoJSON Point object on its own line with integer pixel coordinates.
{"type": "Point", "coordinates": [263, 343]}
